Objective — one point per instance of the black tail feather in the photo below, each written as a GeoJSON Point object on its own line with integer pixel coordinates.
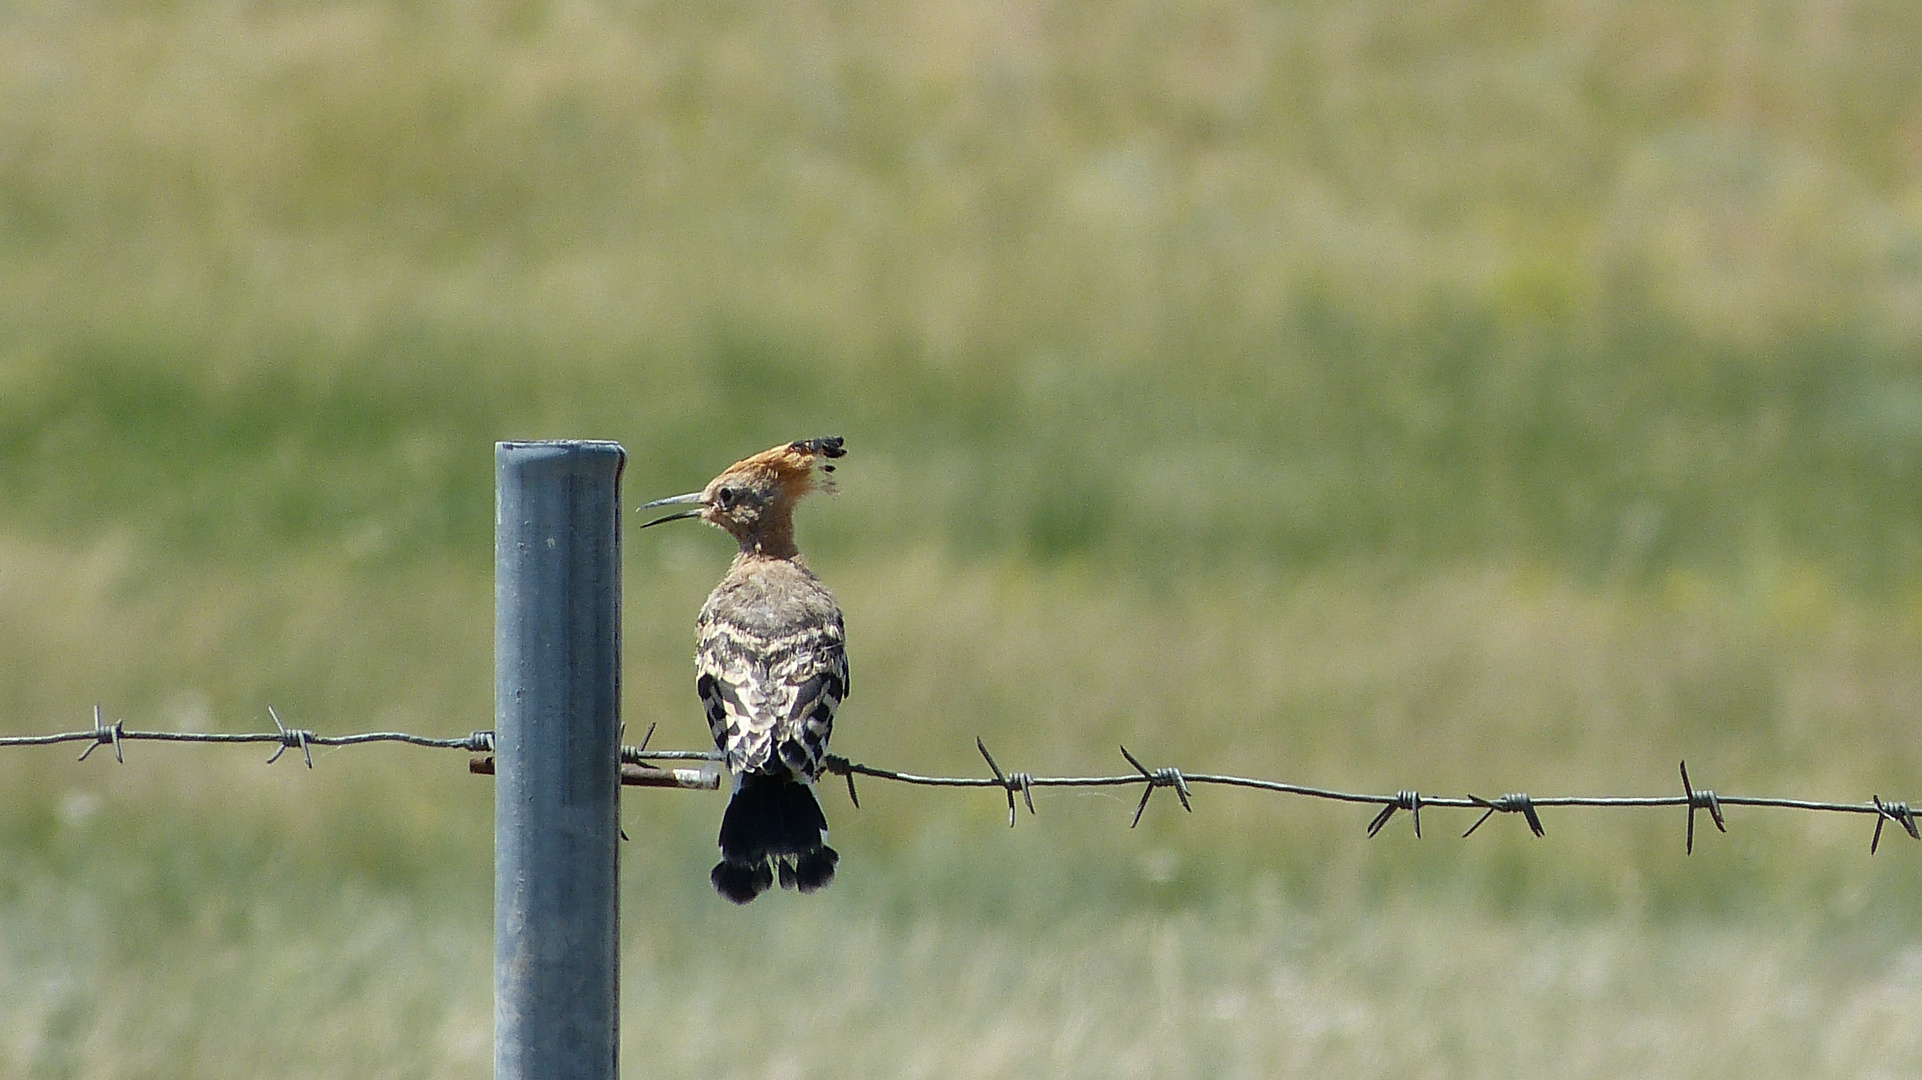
{"type": "Point", "coordinates": [815, 869]}
{"type": "Point", "coordinates": [773, 825]}
{"type": "Point", "coordinates": [741, 882]}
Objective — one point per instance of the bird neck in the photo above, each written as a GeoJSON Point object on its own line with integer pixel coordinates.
{"type": "Point", "coordinates": [773, 539]}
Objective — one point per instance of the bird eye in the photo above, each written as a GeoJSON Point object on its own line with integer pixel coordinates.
{"type": "Point", "coordinates": [726, 497]}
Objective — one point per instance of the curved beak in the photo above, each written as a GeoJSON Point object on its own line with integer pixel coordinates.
{"type": "Point", "coordinates": [692, 497]}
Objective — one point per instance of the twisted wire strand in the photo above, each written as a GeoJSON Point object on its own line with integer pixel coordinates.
{"type": "Point", "coordinates": [117, 733]}
{"type": "Point", "coordinates": [464, 742]}
{"type": "Point", "coordinates": [1020, 783]}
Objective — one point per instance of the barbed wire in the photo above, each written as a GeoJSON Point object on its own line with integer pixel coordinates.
{"type": "Point", "coordinates": [637, 770]}
{"type": "Point", "coordinates": [479, 743]}
{"type": "Point", "coordinates": [117, 733]}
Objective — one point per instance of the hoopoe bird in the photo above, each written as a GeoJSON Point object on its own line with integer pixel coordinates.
{"type": "Point", "coordinates": [771, 669]}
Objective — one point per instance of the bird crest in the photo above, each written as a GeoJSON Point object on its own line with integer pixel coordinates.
{"type": "Point", "coordinates": [793, 469]}
{"type": "Point", "coordinates": [753, 499]}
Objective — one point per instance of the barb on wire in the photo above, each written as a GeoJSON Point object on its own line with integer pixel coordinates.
{"type": "Point", "coordinates": [632, 754]}
{"type": "Point", "coordinates": [1013, 782]}
{"type": "Point", "coordinates": [840, 766]}
{"type": "Point", "coordinates": [1899, 813]}
{"type": "Point", "coordinates": [1702, 800]}
{"type": "Point", "coordinates": [106, 735]}
{"type": "Point", "coordinates": [638, 768]}
{"type": "Point", "coordinates": [289, 739]}
{"type": "Point", "coordinates": [1158, 778]}
{"type": "Point", "coordinates": [1513, 802]}
{"type": "Point", "coordinates": [1403, 800]}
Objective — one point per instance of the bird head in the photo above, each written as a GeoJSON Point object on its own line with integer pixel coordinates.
{"type": "Point", "coordinates": [753, 499]}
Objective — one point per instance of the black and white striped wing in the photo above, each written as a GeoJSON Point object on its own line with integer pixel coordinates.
{"type": "Point", "coordinates": [770, 700]}
{"type": "Point", "coordinates": [819, 688]}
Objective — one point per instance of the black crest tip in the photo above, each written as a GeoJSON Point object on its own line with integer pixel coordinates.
{"type": "Point", "coordinates": [828, 447]}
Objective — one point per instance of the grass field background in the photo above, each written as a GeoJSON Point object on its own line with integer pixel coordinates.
{"type": "Point", "coordinates": [1455, 396]}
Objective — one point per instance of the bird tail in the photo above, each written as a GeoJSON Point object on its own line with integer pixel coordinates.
{"type": "Point", "coordinates": [773, 827]}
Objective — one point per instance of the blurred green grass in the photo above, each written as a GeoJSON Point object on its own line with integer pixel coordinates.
{"type": "Point", "coordinates": [1457, 395]}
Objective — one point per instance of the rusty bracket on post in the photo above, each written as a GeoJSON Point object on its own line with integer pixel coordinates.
{"type": "Point", "coordinates": [632, 775]}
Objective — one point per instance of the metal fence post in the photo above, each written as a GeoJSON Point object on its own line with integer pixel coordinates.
{"type": "Point", "coordinates": [557, 682]}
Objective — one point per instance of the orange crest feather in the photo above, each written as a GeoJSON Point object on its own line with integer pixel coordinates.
{"type": "Point", "coordinates": [791, 466]}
